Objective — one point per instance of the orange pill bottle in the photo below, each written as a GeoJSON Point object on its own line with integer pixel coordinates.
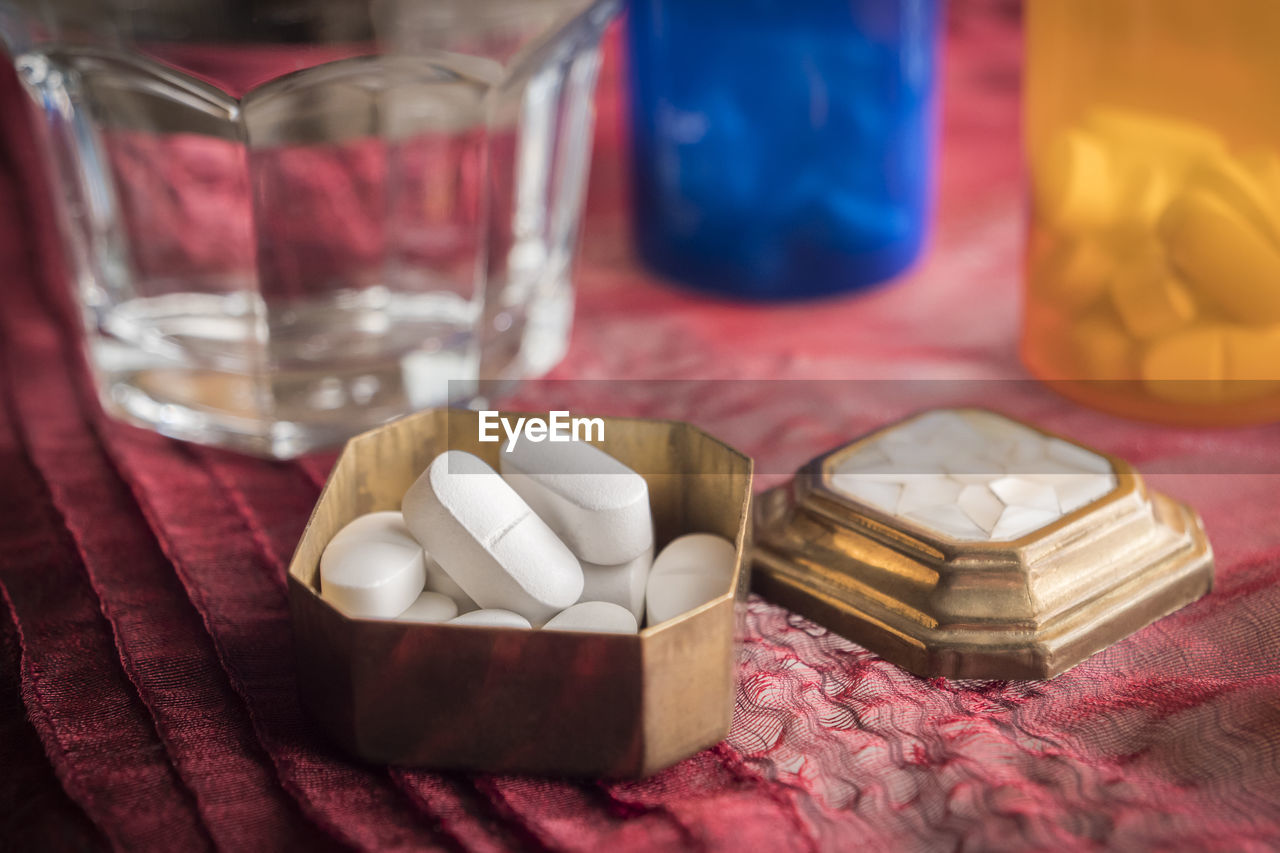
{"type": "Point", "coordinates": [1153, 257]}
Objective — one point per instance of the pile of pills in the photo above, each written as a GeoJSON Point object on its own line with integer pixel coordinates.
{"type": "Point", "coordinates": [561, 538]}
{"type": "Point", "coordinates": [1162, 246]}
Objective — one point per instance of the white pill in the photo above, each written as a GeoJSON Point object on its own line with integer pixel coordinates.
{"type": "Point", "coordinates": [492, 618]}
{"type": "Point", "coordinates": [430, 607]}
{"type": "Point", "coordinates": [603, 616]}
{"type": "Point", "coordinates": [623, 584]}
{"type": "Point", "coordinates": [489, 540]}
{"type": "Point", "coordinates": [690, 571]}
{"type": "Point", "coordinates": [597, 505]}
{"type": "Point", "coordinates": [372, 567]}
{"type": "Point", "coordinates": [438, 580]}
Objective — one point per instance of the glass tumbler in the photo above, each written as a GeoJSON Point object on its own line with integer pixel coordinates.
{"type": "Point", "coordinates": [290, 220]}
{"type": "Point", "coordinates": [1153, 265]}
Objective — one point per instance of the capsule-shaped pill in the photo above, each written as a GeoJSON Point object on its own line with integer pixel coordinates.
{"type": "Point", "coordinates": [1229, 180]}
{"type": "Point", "coordinates": [1148, 296]}
{"type": "Point", "coordinates": [1074, 185]}
{"type": "Point", "coordinates": [489, 540]}
{"type": "Point", "coordinates": [595, 504]}
{"type": "Point", "coordinates": [1227, 261]}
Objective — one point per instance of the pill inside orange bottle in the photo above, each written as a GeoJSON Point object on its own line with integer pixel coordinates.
{"type": "Point", "coordinates": [1153, 256]}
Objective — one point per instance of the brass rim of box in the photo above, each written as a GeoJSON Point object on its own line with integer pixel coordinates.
{"type": "Point", "coordinates": [1032, 607]}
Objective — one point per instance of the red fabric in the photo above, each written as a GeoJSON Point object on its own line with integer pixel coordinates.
{"type": "Point", "coordinates": [147, 697]}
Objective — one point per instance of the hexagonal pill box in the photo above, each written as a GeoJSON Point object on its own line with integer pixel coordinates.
{"type": "Point", "coordinates": [507, 700]}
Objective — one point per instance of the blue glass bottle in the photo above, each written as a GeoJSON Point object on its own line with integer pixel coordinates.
{"type": "Point", "coordinates": [783, 149]}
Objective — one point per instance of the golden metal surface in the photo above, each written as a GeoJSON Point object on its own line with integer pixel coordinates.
{"type": "Point", "coordinates": [505, 700]}
{"type": "Point", "coordinates": [1032, 607]}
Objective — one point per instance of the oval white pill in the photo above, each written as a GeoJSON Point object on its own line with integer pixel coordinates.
{"type": "Point", "coordinates": [489, 540]}
{"type": "Point", "coordinates": [492, 618]}
{"type": "Point", "coordinates": [430, 607]}
{"type": "Point", "coordinates": [623, 584]}
{"type": "Point", "coordinates": [372, 567]}
{"type": "Point", "coordinates": [595, 504]}
{"type": "Point", "coordinates": [690, 571]}
{"type": "Point", "coordinates": [603, 616]}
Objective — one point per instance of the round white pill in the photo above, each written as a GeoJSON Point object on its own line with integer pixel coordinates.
{"type": "Point", "coordinates": [489, 541]}
{"type": "Point", "coordinates": [603, 616]}
{"type": "Point", "coordinates": [595, 504]}
{"type": "Point", "coordinates": [690, 571]}
{"type": "Point", "coordinates": [372, 567]}
{"type": "Point", "coordinates": [492, 618]}
{"type": "Point", "coordinates": [430, 607]}
{"type": "Point", "coordinates": [623, 584]}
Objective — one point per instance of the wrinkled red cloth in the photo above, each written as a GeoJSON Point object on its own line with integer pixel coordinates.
{"type": "Point", "coordinates": [147, 696]}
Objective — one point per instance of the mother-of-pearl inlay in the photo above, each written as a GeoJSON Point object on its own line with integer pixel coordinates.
{"type": "Point", "coordinates": [973, 475]}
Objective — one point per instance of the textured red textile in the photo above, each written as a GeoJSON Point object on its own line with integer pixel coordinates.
{"type": "Point", "coordinates": [147, 697]}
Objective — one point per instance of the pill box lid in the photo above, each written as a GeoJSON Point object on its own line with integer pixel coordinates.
{"type": "Point", "coordinates": [939, 604]}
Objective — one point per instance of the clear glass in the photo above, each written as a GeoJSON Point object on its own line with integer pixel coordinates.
{"type": "Point", "coordinates": [290, 221]}
{"type": "Point", "coordinates": [1153, 266]}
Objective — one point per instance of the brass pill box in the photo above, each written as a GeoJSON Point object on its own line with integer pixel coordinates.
{"type": "Point", "coordinates": [508, 700]}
